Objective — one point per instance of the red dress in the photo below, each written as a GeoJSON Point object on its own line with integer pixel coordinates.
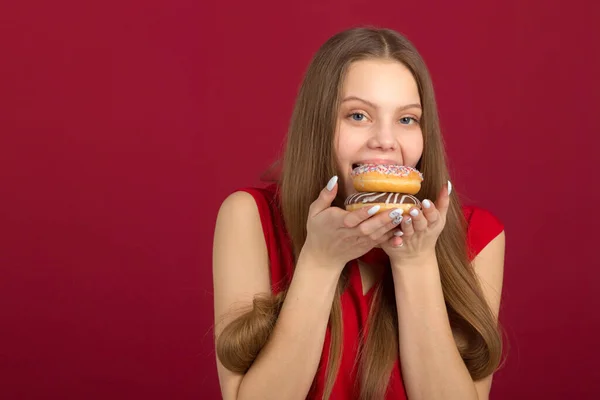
{"type": "Point", "coordinates": [482, 228]}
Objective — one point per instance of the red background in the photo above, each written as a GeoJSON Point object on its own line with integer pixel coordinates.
{"type": "Point", "coordinates": [124, 125]}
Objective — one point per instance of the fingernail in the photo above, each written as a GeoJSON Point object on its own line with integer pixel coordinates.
{"type": "Point", "coordinates": [426, 203]}
{"type": "Point", "coordinates": [373, 210]}
{"type": "Point", "coordinates": [398, 233]}
{"type": "Point", "coordinates": [396, 213]}
{"type": "Point", "coordinates": [408, 220]}
{"type": "Point", "coordinates": [414, 212]}
{"type": "Point", "coordinates": [397, 220]}
{"type": "Point", "coordinates": [332, 183]}
{"type": "Point", "coordinates": [449, 188]}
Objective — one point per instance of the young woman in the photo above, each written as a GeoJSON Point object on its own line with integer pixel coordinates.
{"type": "Point", "coordinates": [349, 305]}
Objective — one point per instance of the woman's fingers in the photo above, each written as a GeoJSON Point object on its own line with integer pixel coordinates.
{"type": "Point", "coordinates": [357, 217]}
{"type": "Point", "coordinates": [326, 197]}
{"type": "Point", "coordinates": [379, 225]}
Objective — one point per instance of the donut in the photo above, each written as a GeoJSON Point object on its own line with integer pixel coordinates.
{"type": "Point", "coordinates": [386, 178]}
{"type": "Point", "coordinates": [386, 200]}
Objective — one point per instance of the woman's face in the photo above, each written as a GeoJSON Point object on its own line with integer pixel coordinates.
{"type": "Point", "coordinates": [379, 118]}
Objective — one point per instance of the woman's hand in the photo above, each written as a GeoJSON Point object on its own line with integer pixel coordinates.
{"type": "Point", "coordinates": [336, 236]}
{"type": "Point", "coordinates": [420, 231]}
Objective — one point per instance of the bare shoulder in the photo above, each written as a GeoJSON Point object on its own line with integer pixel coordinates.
{"type": "Point", "coordinates": [240, 259]}
{"type": "Point", "coordinates": [489, 268]}
{"type": "Point", "coordinates": [238, 211]}
{"type": "Point", "coordinates": [487, 240]}
{"type": "Point", "coordinates": [240, 268]}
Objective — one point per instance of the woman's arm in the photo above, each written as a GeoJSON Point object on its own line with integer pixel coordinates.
{"type": "Point", "coordinates": [431, 364]}
{"type": "Point", "coordinates": [286, 366]}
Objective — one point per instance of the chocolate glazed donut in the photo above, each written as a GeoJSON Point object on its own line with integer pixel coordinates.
{"type": "Point", "coordinates": [386, 200]}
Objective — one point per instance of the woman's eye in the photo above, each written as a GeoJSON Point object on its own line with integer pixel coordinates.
{"type": "Point", "coordinates": [408, 120]}
{"type": "Point", "coordinates": [358, 117]}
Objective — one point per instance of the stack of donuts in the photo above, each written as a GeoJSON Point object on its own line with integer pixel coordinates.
{"type": "Point", "coordinates": [389, 186]}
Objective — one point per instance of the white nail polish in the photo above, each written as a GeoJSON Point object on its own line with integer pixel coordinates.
{"type": "Point", "coordinates": [396, 213]}
{"type": "Point", "coordinates": [414, 212]}
{"type": "Point", "coordinates": [408, 220]}
{"type": "Point", "coordinates": [449, 188]}
{"type": "Point", "coordinates": [398, 233]}
{"type": "Point", "coordinates": [426, 203]}
{"type": "Point", "coordinates": [373, 210]}
{"type": "Point", "coordinates": [331, 183]}
{"type": "Point", "coordinates": [397, 220]}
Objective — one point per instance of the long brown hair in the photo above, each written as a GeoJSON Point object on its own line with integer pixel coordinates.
{"type": "Point", "coordinates": [308, 162]}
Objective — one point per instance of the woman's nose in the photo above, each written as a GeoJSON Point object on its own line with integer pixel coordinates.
{"type": "Point", "coordinates": [383, 138]}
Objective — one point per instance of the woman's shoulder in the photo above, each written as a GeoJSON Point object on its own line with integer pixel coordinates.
{"type": "Point", "coordinates": [264, 198]}
{"type": "Point", "coordinates": [479, 214]}
{"type": "Point", "coordinates": [482, 227]}
{"type": "Point", "coordinates": [266, 214]}
{"type": "Point", "coordinates": [265, 202]}
{"type": "Point", "coordinates": [267, 192]}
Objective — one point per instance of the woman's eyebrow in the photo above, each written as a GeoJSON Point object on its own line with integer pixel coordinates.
{"type": "Point", "coordinates": [373, 105]}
